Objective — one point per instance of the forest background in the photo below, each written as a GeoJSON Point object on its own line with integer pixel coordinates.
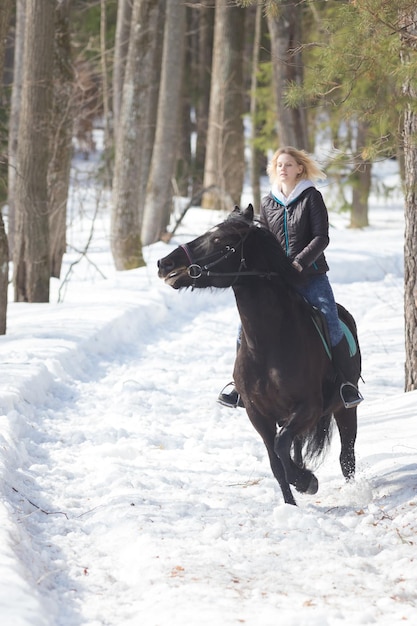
{"type": "Point", "coordinates": [192, 97]}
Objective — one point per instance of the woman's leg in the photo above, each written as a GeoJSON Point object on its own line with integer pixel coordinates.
{"type": "Point", "coordinates": [320, 294]}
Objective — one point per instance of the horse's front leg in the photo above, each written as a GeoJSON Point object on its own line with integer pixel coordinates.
{"type": "Point", "coordinates": [267, 430]}
{"type": "Point", "coordinates": [346, 420]}
{"type": "Point", "coordinates": [279, 473]}
{"type": "Point", "coordinates": [302, 479]}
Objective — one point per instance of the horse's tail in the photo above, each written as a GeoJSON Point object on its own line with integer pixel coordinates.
{"type": "Point", "coordinates": [317, 441]}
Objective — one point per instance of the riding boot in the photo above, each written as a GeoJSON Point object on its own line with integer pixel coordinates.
{"type": "Point", "coordinates": [231, 398]}
{"type": "Point", "coordinates": [347, 371]}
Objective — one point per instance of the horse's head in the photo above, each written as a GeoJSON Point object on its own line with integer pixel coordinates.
{"type": "Point", "coordinates": [214, 259]}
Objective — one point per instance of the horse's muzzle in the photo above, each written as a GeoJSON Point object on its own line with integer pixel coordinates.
{"type": "Point", "coordinates": [172, 273]}
{"type": "Point", "coordinates": [165, 267]}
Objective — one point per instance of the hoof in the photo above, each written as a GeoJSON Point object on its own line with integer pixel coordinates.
{"type": "Point", "coordinates": [309, 484]}
{"type": "Point", "coordinates": [313, 486]}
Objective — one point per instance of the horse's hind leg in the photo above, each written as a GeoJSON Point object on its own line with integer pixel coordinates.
{"type": "Point", "coordinates": [346, 421]}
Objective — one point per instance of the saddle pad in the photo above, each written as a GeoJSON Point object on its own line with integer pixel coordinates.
{"type": "Point", "coordinates": [353, 348]}
{"type": "Point", "coordinates": [321, 326]}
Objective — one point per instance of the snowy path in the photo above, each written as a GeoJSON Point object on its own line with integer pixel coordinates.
{"type": "Point", "coordinates": [162, 508]}
{"type": "Point", "coordinates": [129, 497]}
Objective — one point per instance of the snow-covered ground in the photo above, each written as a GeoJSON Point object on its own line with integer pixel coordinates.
{"type": "Point", "coordinates": [129, 497]}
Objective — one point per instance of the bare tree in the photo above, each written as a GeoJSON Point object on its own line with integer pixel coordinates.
{"type": "Point", "coordinates": [409, 39]}
{"type": "Point", "coordinates": [137, 89]}
{"type": "Point", "coordinates": [31, 251]}
{"type": "Point", "coordinates": [201, 58]}
{"type": "Point", "coordinates": [121, 47]}
{"type": "Point", "coordinates": [183, 165]}
{"type": "Point", "coordinates": [4, 277]}
{"type": "Point", "coordinates": [61, 138]}
{"type": "Point", "coordinates": [224, 164]}
{"type": "Point", "coordinates": [106, 95]}
{"type": "Point", "coordinates": [285, 30]}
{"type": "Point", "coordinates": [148, 130]}
{"type": "Point", "coordinates": [5, 12]}
{"type": "Point", "coordinates": [254, 153]}
{"type": "Point", "coordinates": [360, 179]}
{"type": "Point", "coordinates": [159, 192]}
{"type": "Point", "coordinates": [16, 99]}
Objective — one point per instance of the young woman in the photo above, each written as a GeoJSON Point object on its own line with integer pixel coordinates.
{"type": "Point", "coordinates": [294, 211]}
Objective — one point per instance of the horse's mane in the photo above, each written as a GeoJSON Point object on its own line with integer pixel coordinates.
{"type": "Point", "coordinates": [270, 257]}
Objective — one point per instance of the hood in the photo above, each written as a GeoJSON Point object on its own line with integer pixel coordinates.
{"type": "Point", "coordinates": [298, 189]}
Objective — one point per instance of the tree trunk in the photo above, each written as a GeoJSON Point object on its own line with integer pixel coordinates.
{"type": "Point", "coordinates": [61, 138]}
{"type": "Point", "coordinates": [361, 186]}
{"type": "Point", "coordinates": [409, 38]}
{"type": "Point", "coordinates": [182, 170]}
{"type": "Point", "coordinates": [224, 165]}
{"type": "Point", "coordinates": [121, 47]}
{"type": "Point", "coordinates": [137, 91]}
{"type": "Point", "coordinates": [16, 99]}
{"type": "Point", "coordinates": [410, 250]}
{"type": "Point", "coordinates": [361, 180]}
{"type": "Point", "coordinates": [31, 253]}
{"type": "Point", "coordinates": [159, 192]}
{"type": "Point", "coordinates": [106, 97]}
{"type": "Point", "coordinates": [286, 39]}
{"type": "Point", "coordinates": [5, 12]}
{"type": "Point", "coordinates": [254, 153]}
{"type": "Point", "coordinates": [202, 57]}
{"type": "Point", "coordinates": [4, 277]}
{"type": "Point", "coordinates": [149, 126]}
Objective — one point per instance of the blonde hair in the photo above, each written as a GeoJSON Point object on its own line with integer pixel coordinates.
{"type": "Point", "coordinates": [311, 169]}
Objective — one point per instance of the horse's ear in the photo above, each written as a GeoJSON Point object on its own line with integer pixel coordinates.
{"type": "Point", "coordinates": [248, 213]}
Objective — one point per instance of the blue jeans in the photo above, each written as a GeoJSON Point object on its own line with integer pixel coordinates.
{"type": "Point", "coordinates": [319, 293]}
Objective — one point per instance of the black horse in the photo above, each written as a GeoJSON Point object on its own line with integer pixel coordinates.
{"type": "Point", "coordinates": [283, 369]}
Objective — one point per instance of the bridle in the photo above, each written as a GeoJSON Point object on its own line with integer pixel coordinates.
{"type": "Point", "coordinates": [196, 270]}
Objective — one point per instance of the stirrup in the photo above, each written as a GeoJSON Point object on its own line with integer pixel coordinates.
{"type": "Point", "coordinates": [355, 395]}
{"type": "Point", "coordinates": [231, 399]}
